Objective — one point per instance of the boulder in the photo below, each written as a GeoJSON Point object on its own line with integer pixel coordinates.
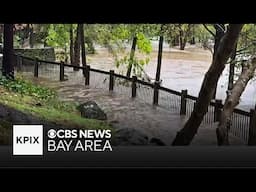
{"type": "Point", "coordinates": [128, 136]}
{"type": "Point", "coordinates": [91, 110]}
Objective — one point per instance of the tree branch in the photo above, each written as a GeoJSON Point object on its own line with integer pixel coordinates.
{"type": "Point", "coordinates": [205, 26]}
{"type": "Point", "coordinates": [244, 48]}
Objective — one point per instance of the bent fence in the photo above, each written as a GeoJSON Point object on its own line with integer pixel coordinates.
{"type": "Point", "coordinates": [243, 123]}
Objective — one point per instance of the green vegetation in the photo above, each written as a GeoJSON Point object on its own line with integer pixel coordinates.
{"type": "Point", "coordinates": [117, 38]}
{"type": "Point", "coordinates": [58, 37]}
{"type": "Point", "coordinates": [25, 87]}
{"type": "Point", "coordinates": [44, 104]}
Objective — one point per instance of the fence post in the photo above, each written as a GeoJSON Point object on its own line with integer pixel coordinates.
{"type": "Point", "coordinates": [217, 109]}
{"type": "Point", "coordinates": [19, 62]}
{"type": "Point", "coordinates": [22, 61]}
{"type": "Point", "coordinates": [87, 75]}
{"type": "Point", "coordinates": [183, 102]}
{"type": "Point", "coordinates": [252, 127]}
{"type": "Point", "coordinates": [111, 80]}
{"type": "Point", "coordinates": [36, 68]}
{"type": "Point", "coordinates": [134, 80]}
{"type": "Point", "coordinates": [156, 93]}
{"type": "Point", "coordinates": [61, 71]}
{"type": "Point", "coordinates": [194, 107]}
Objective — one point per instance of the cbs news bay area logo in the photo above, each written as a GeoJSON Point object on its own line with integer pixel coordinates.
{"type": "Point", "coordinates": [28, 140]}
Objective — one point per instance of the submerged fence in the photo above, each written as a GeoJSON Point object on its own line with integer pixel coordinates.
{"type": "Point", "coordinates": [243, 123]}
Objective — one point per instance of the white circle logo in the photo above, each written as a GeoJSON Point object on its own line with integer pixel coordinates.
{"type": "Point", "coordinates": [51, 133]}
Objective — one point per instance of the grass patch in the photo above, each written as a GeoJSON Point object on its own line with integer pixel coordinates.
{"type": "Point", "coordinates": [43, 103]}
{"type": "Point", "coordinates": [25, 87]}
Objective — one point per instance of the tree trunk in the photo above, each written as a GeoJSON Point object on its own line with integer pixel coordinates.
{"type": "Point", "coordinates": [218, 35]}
{"type": "Point", "coordinates": [83, 53]}
{"type": "Point", "coordinates": [159, 58]}
{"type": "Point", "coordinates": [231, 75]}
{"type": "Point", "coordinates": [31, 37]}
{"type": "Point", "coordinates": [8, 66]}
{"type": "Point", "coordinates": [232, 101]}
{"type": "Point", "coordinates": [71, 48]}
{"type": "Point", "coordinates": [182, 43]}
{"type": "Point", "coordinates": [184, 36]}
{"type": "Point", "coordinates": [176, 40]}
{"type": "Point", "coordinates": [90, 47]}
{"type": "Point", "coordinates": [77, 49]}
{"type": "Point", "coordinates": [1, 37]}
{"type": "Point", "coordinates": [66, 54]}
{"type": "Point", "coordinates": [193, 42]}
{"type": "Point", "coordinates": [232, 69]}
{"type": "Point", "coordinates": [134, 43]}
{"type": "Point", "coordinates": [226, 46]}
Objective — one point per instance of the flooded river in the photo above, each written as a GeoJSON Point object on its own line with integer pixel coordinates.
{"type": "Point", "coordinates": [180, 70]}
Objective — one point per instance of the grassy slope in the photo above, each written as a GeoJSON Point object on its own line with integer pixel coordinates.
{"type": "Point", "coordinates": [53, 110]}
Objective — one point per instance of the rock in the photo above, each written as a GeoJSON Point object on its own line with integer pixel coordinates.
{"type": "Point", "coordinates": [91, 110]}
{"type": "Point", "coordinates": [129, 136]}
{"type": "Point", "coordinates": [156, 141]}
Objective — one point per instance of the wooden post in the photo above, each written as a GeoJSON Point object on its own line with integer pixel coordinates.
{"type": "Point", "coordinates": [252, 127]}
{"type": "Point", "coordinates": [183, 102]}
{"type": "Point", "coordinates": [19, 62]}
{"type": "Point", "coordinates": [111, 80]}
{"type": "Point", "coordinates": [36, 68]}
{"type": "Point", "coordinates": [194, 106]}
{"type": "Point", "coordinates": [62, 71]}
{"type": "Point", "coordinates": [87, 75]}
{"type": "Point", "coordinates": [22, 61]}
{"type": "Point", "coordinates": [134, 80]}
{"type": "Point", "coordinates": [159, 58]}
{"type": "Point", "coordinates": [156, 93]}
{"type": "Point", "coordinates": [217, 110]}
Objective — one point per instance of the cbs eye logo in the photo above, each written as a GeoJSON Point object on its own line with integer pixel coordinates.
{"type": "Point", "coordinates": [62, 134]}
{"type": "Point", "coordinates": [52, 133]}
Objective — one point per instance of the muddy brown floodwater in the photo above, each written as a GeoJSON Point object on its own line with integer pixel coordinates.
{"type": "Point", "coordinates": [180, 70]}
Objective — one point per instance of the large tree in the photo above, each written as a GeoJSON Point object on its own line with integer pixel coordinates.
{"type": "Point", "coordinates": [220, 32]}
{"type": "Point", "coordinates": [159, 57]}
{"type": "Point", "coordinates": [225, 48]}
{"type": "Point", "coordinates": [77, 47]}
{"type": "Point", "coordinates": [184, 32]}
{"type": "Point", "coordinates": [83, 51]}
{"type": "Point", "coordinates": [71, 44]}
{"type": "Point", "coordinates": [232, 101]}
{"type": "Point", "coordinates": [8, 66]}
{"type": "Point", "coordinates": [131, 60]}
{"type": "Point", "coordinates": [232, 69]}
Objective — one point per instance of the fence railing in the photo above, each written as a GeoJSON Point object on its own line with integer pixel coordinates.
{"type": "Point", "coordinates": [243, 123]}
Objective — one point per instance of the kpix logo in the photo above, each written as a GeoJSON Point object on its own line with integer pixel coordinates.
{"type": "Point", "coordinates": [27, 139]}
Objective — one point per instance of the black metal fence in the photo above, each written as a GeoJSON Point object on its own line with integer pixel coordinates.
{"type": "Point", "coordinates": [243, 123]}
